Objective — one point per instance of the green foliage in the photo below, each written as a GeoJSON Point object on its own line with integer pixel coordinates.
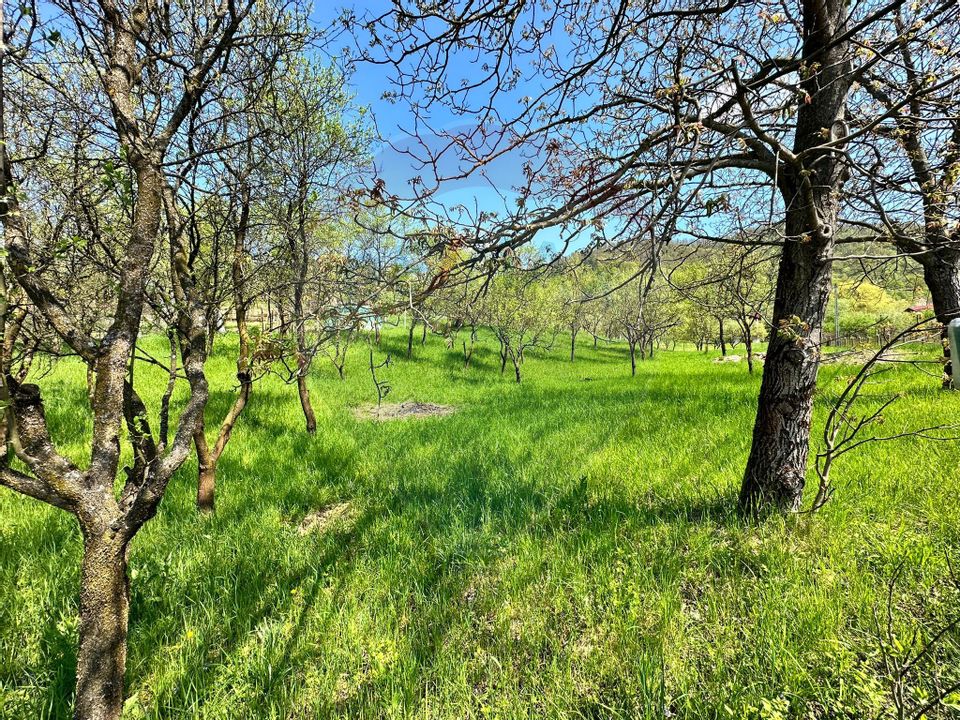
{"type": "Point", "coordinates": [564, 548]}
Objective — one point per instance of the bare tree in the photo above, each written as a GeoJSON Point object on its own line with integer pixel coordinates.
{"type": "Point", "coordinates": [111, 49]}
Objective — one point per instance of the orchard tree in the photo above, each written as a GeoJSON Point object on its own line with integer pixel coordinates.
{"type": "Point", "coordinates": [127, 75]}
{"type": "Point", "coordinates": [315, 151]}
{"type": "Point", "coordinates": [913, 187]}
{"type": "Point", "coordinates": [634, 108]}
{"type": "Point", "coordinates": [523, 312]}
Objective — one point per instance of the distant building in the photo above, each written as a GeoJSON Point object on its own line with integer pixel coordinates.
{"type": "Point", "coordinates": [919, 306]}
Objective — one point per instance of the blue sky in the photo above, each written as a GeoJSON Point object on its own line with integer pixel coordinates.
{"type": "Point", "coordinates": [395, 121]}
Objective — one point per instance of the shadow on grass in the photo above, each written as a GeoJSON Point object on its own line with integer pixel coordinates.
{"type": "Point", "coordinates": [270, 468]}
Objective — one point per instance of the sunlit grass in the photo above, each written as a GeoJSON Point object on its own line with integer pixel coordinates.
{"type": "Point", "coordinates": [567, 547]}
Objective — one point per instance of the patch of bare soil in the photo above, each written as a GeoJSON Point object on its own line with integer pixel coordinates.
{"type": "Point", "coordinates": [399, 411]}
{"type": "Point", "coordinates": [860, 357]}
{"type": "Point", "coordinates": [325, 518]}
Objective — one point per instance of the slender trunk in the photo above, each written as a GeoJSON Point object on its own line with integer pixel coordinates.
{"type": "Point", "coordinates": [503, 357]}
{"type": "Point", "coordinates": [305, 403]}
{"type": "Point", "coordinates": [303, 359]}
{"type": "Point", "coordinates": [207, 458]}
{"type": "Point", "coordinates": [212, 327]}
{"type": "Point", "coordinates": [168, 391]}
{"type": "Point", "coordinates": [723, 342]}
{"type": "Point", "coordinates": [633, 358]}
{"type": "Point", "coordinates": [594, 342]}
{"type": "Point", "coordinates": [423, 336]}
{"type": "Point", "coordinates": [573, 344]}
{"type": "Point", "coordinates": [413, 324]}
{"type": "Point", "coordinates": [104, 609]}
{"type": "Point", "coordinates": [516, 369]}
{"type": "Point", "coordinates": [206, 471]}
{"type": "Point", "coordinates": [775, 473]}
{"type": "Point", "coordinates": [748, 345]}
{"type": "Point", "coordinates": [91, 382]}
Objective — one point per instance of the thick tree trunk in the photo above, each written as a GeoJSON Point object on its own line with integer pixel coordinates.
{"type": "Point", "coordinates": [723, 341]}
{"type": "Point", "coordinates": [777, 465]}
{"type": "Point", "coordinates": [810, 182]}
{"type": "Point", "coordinates": [941, 271]}
{"type": "Point", "coordinates": [104, 608]}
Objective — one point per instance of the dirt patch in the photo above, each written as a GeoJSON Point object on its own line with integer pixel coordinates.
{"type": "Point", "coordinates": [860, 357]}
{"type": "Point", "coordinates": [398, 411]}
{"type": "Point", "coordinates": [325, 518]}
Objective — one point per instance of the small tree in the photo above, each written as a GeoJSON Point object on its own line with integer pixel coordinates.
{"type": "Point", "coordinates": [523, 311]}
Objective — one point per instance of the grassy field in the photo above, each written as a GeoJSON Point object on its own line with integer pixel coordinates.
{"type": "Point", "coordinates": [566, 548]}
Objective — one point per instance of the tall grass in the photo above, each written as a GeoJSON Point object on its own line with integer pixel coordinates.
{"type": "Point", "coordinates": [563, 548]}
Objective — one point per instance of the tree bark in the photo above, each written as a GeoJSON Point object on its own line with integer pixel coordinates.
{"type": "Point", "coordinates": [206, 472]}
{"type": "Point", "coordinates": [723, 341]}
{"type": "Point", "coordinates": [104, 606]}
{"type": "Point", "coordinates": [413, 324]}
{"type": "Point", "coordinates": [305, 403]}
{"type": "Point", "coordinates": [573, 344]}
{"type": "Point", "coordinates": [781, 436]}
{"type": "Point", "coordinates": [810, 183]}
{"type": "Point", "coordinates": [941, 272]}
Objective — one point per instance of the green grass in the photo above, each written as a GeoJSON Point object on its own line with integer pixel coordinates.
{"type": "Point", "coordinates": [563, 548]}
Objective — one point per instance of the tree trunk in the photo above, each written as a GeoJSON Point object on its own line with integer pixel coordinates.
{"type": "Point", "coordinates": [810, 182]}
{"type": "Point", "coordinates": [305, 403]}
{"type": "Point", "coordinates": [573, 344]}
{"type": "Point", "coordinates": [748, 346]}
{"type": "Point", "coordinates": [413, 324]}
{"type": "Point", "coordinates": [723, 342]}
{"type": "Point", "coordinates": [206, 471]}
{"type": "Point", "coordinates": [633, 359]}
{"type": "Point", "coordinates": [516, 369]}
{"type": "Point", "coordinates": [941, 271]}
{"type": "Point", "coordinates": [212, 327]}
{"type": "Point", "coordinates": [423, 336]}
{"type": "Point", "coordinates": [104, 609]}
{"type": "Point", "coordinates": [777, 465]}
